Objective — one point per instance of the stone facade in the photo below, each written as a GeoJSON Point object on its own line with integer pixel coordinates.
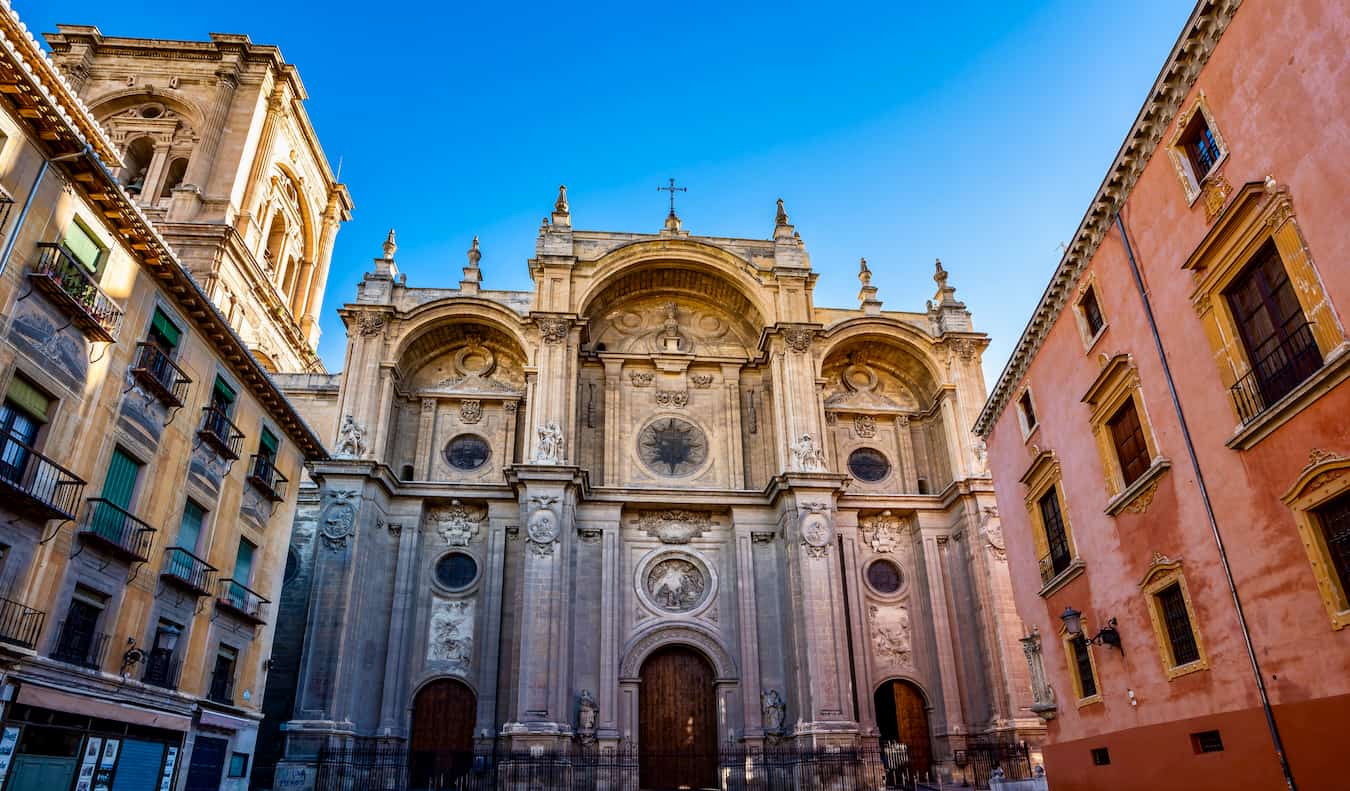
{"type": "Point", "coordinates": [217, 150]}
{"type": "Point", "coordinates": [665, 443]}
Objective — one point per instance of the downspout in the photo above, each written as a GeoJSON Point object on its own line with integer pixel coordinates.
{"type": "Point", "coordinates": [28, 202]}
{"type": "Point", "coordinates": [1209, 511]}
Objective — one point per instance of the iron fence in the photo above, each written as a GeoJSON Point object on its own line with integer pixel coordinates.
{"type": "Point", "coordinates": [980, 759]}
{"type": "Point", "coordinates": [393, 767]}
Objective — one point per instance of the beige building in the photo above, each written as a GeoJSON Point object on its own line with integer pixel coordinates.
{"type": "Point", "coordinates": [218, 151]}
{"type": "Point", "coordinates": [661, 500]}
{"type": "Point", "coordinates": [147, 462]}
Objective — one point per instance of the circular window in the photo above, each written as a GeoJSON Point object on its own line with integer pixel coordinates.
{"type": "Point", "coordinates": [152, 111]}
{"type": "Point", "coordinates": [456, 571]}
{"type": "Point", "coordinates": [884, 576]}
{"type": "Point", "coordinates": [467, 452]}
{"type": "Point", "coordinates": [672, 447]}
{"type": "Point", "coordinates": [868, 464]}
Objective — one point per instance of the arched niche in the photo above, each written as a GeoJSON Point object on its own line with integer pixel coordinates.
{"type": "Point", "coordinates": [875, 371]}
{"type": "Point", "coordinates": [462, 354]}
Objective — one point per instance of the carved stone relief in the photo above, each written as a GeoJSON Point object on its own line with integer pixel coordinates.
{"type": "Point", "coordinates": [675, 398]}
{"type": "Point", "coordinates": [816, 529]}
{"type": "Point", "coordinates": [676, 584]}
{"type": "Point", "coordinates": [642, 378]}
{"type": "Point", "coordinates": [1042, 693]}
{"type": "Point", "coordinates": [865, 426]}
{"type": "Point", "coordinates": [881, 532]}
{"type": "Point", "coordinates": [553, 330]}
{"type": "Point", "coordinates": [470, 411]}
{"type": "Point", "coordinates": [450, 637]}
{"type": "Point", "coordinates": [456, 524]}
{"type": "Point", "coordinates": [891, 633]}
{"type": "Point", "coordinates": [701, 381]}
{"type": "Point", "coordinates": [674, 526]}
{"type": "Point", "coordinates": [542, 526]}
{"type": "Point", "coordinates": [339, 518]}
{"type": "Point", "coordinates": [351, 443]}
{"type": "Point", "coordinates": [807, 455]}
{"type": "Point", "coordinates": [550, 445]}
{"type": "Point", "coordinates": [798, 339]}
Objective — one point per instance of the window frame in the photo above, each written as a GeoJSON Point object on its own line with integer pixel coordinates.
{"type": "Point", "coordinates": [1162, 574]}
{"type": "Point", "coordinates": [1028, 422]}
{"type": "Point", "coordinates": [1067, 642]}
{"type": "Point", "coordinates": [1041, 478]}
{"type": "Point", "coordinates": [86, 228]}
{"type": "Point", "coordinates": [1326, 477]}
{"type": "Point", "coordinates": [1118, 382]}
{"type": "Point", "coordinates": [1193, 183]}
{"type": "Point", "coordinates": [1088, 288]}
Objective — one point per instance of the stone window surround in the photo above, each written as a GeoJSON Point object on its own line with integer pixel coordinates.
{"type": "Point", "coordinates": [1066, 642]}
{"type": "Point", "coordinates": [1041, 477]}
{"type": "Point", "coordinates": [1089, 283]}
{"type": "Point", "coordinates": [899, 593]}
{"type": "Point", "coordinates": [1191, 182]}
{"type": "Point", "coordinates": [1326, 477]}
{"type": "Point", "coordinates": [1162, 573]}
{"type": "Point", "coordinates": [1257, 214]}
{"type": "Point", "coordinates": [468, 590]}
{"type": "Point", "coordinates": [1117, 383]}
{"type": "Point", "coordinates": [1028, 429]}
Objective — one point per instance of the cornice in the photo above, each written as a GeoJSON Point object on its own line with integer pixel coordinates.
{"type": "Point", "coordinates": [1190, 53]}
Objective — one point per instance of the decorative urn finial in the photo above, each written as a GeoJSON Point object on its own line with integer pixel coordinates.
{"type": "Point", "coordinates": [781, 218]}
{"type": "Point", "coordinates": [475, 255]}
{"type": "Point", "coordinates": [864, 274]}
{"type": "Point", "coordinates": [560, 206]}
{"type": "Point", "coordinates": [390, 247]}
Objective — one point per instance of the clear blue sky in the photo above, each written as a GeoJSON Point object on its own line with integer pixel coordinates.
{"type": "Point", "coordinates": [898, 133]}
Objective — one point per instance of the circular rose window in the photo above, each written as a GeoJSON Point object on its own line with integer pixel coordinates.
{"type": "Point", "coordinates": [868, 464]}
{"type": "Point", "coordinates": [672, 447]}
{"type": "Point", "coordinates": [467, 452]}
{"type": "Point", "coordinates": [884, 576]}
{"type": "Point", "coordinates": [456, 571]}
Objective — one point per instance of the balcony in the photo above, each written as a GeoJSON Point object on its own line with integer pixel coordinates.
{"type": "Point", "coordinates": [222, 689]}
{"type": "Point", "coordinates": [160, 375]}
{"type": "Point", "coordinates": [80, 646]}
{"type": "Point", "coordinates": [1277, 374]}
{"type": "Point", "coordinates": [237, 598]}
{"type": "Point", "coordinates": [70, 286]}
{"type": "Point", "coordinates": [161, 670]}
{"type": "Point", "coordinates": [187, 571]}
{"type": "Point", "coordinates": [221, 434]}
{"type": "Point", "coordinates": [116, 531]}
{"type": "Point", "coordinates": [262, 473]}
{"type": "Point", "coordinates": [20, 625]}
{"type": "Point", "coordinates": [34, 483]}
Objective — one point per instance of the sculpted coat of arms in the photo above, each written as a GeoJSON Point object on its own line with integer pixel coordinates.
{"type": "Point", "coordinates": [456, 523]}
{"type": "Point", "coordinates": [542, 526]}
{"type": "Point", "coordinates": [816, 530]}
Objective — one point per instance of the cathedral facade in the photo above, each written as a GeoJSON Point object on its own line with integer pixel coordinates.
{"type": "Point", "coordinates": [661, 499]}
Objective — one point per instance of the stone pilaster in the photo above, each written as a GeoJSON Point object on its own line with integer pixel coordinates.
{"type": "Point", "coordinates": [204, 158]}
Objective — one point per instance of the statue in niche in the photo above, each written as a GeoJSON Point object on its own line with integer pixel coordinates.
{"type": "Point", "coordinates": [351, 442]}
{"type": "Point", "coordinates": [774, 711]}
{"type": "Point", "coordinates": [669, 339]}
{"type": "Point", "coordinates": [588, 716]}
{"type": "Point", "coordinates": [550, 445]}
{"type": "Point", "coordinates": [808, 455]}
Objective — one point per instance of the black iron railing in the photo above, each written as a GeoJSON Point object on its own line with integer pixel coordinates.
{"type": "Point", "coordinates": [70, 286]}
{"type": "Point", "coordinates": [220, 433]}
{"type": "Point", "coordinates": [262, 473]}
{"type": "Point", "coordinates": [183, 568]}
{"type": "Point", "coordinates": [1279, 372]}
{"type": "Point", "coordinates": [161, 669]}
{"type": "Point", "coordinates": [19, 624]}
{"type": "Point", "coordinates": [116, 530]}
{"type": "Point", "coordinates": [242, 600]}
{"type": "Point", "coordinates": [979, 759]}
{"type": "Point", "coordinates": [154, 369]}
{"type": "Point", "coordinates": [222, 688]}
{"type": "Point", "coordinates": [35, 482]}
{"type": "Point", "coordinates": [80, 645]}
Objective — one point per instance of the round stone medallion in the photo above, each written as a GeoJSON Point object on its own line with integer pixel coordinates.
{"type": "Point", "coordinates": [676, 584]}
{"type": "Point", "coordinates": [869, 464]}
{"type": "Point", "coordinates": [672, 447]}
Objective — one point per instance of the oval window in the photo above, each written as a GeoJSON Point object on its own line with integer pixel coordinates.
{"type": "Point", "coordinates": [456, 571]}
{"type": "Point", "coordinates": [868, 464]}
{"type": "Point", "coordinates": [884, 576]}
{"type": "Point", "coordinates": [467, 452]}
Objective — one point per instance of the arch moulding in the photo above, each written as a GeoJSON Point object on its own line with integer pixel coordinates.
{"type": "Point", "coordinates": [424, 318]}
{"type": "Point", "coordinates": [688, 635]}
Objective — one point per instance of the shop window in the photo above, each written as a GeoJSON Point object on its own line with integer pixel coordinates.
{"type": "Point", "coordinates": [1051, 530]}
{"type": "Point", "coordinates": [1125, 439]}
{"type": "Point", "coordinates": [1174, 623]}
{"type": "Point", "coordinates": [1320, 502]}
{"type": "Point", "coordinates": [238, 765]}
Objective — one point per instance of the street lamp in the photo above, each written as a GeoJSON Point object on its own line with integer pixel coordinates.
{"type": "Point", "coordinates": [1107, 635]}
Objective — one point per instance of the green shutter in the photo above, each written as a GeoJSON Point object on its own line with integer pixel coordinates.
{"type": "Point", "coordinates": [268, 444]}
{"type": "Point", "coordinates": [166, 329]}
{"type": "Point", "coordinates": [222, 394]}
{"type": "Point", "coordinates": [243, 562]}
{"type": "Point", "coordinates": [191, 527]}
{"type": "Point", "coordinates": [81, 244]}
{"type": "Point", "coordinates": [121, 481]}
{"type": "Point", "coordinates": [28, 398]}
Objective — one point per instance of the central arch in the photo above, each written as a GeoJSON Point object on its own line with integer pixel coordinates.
{"type": "Point", "coordinates": [441, 753]}
{"type": "Point", "coordinates": [677, 720]}
{"type": "Point", "coordinates": [902, 718]}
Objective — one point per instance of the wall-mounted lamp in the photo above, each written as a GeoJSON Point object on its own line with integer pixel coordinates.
{"type": "Point", "coordinates": [1107, 635]}
{"type": "Point", "coordinates": [131, 656]}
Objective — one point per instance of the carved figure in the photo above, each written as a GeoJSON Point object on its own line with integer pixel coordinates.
{"type": "Point", "coordinates": [882, 532]}
{"type": "Point", "coordinates": [351, 442]}
{"type": "Point", "coordinates": [676, 584]}
{"type": "Point", "coordinates": [774, 711]}
{"type": "Point", "coordinates": [550, 445]}
{"type": "Point", "coordinates": [542, 526]}
{"type": "Point", "coordinates": [807, 454]}
{"type": "Point", "coordinates": [890, 633]}
{"type": "Point", "coordinates": [588, 715]}
{"type": "Point", "coordinates": [451, 634]}
{"type": "Point", "coordinates": [470, 411]}
{"type": "Point", "coordinates": [455, 524]}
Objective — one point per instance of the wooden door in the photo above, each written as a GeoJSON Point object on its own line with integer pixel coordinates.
{"type": "Point", "coordinates": [903, 717]}
{"type": "Point", "coordinates": [208, 764]}
{"type": "Point", "coordinates": [677, 721]}
{"type": "Point", "coordinates": [442, 734]}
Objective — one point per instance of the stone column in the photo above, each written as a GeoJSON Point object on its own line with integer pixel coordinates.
{"type": "Point", "coordinates": [276, 106]}
{"type": "Point", "coordinates": [203, 158]}
{"type": "Point", "coordinates": [731, 385]}
{"type": "Point", "coordinates": [154, 173]}
{"type": "Point", "coordinates": [426, 434]}
{"type": "Point", "coordinates": [748, 615]}
{"type": "Point", "coordinates": [861, 669]}
{"type": "Point", "coordinates": [909, 467]}
{"type": "Point", "coordinates": [611, 599]}
{"type": "Point", "coordinates": [942, 630]}
{"type": "Point", "coordinates": [492, 596]}
{"type": "Point", "coordinates": [307, 311]}
{"type": "Point", "coordinates": [613, 412]}
{"type": "Point", "coordinates": [392, 704]}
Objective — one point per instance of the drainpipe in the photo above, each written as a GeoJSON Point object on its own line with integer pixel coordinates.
{"type": "Point", "coordinates": [1209, 512]}
{"type": "Point", "coordinates": [28, 202]}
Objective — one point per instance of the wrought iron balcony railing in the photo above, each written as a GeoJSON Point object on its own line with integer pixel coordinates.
{"type": "Point", "coordinates": [116, 531]}
{"type": "Point", "coordinates": [243, 601]}
{"type": "Point", "coordinates": [19, 624]}
{"type": "Point", "coordinates": [186, 570]}
{"type": "Point", "coordinates": [1052, 565]}
{"type": "Point", "coordinates": [80, 645]}
{"type": "Point", "coordinates": [70, 286]}
{"type": "Point", "coordinates": [161, 669]}
{"type": "Point", "coordinates": [262, 473]}
{"type": "Point", "coordinates": [1274, 376]}
{"type": "Point", "coordinates": [35, 483]}
{"type": "Point", "coordinates": [220, 433]}
{"type": "Point", "coordinates": [160, 374]}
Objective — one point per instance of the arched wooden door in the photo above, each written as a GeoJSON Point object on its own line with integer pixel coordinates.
{"type": "Point", "coordinates": [677, 721]}
{"type": "Point", "coordinates": [442, 735]}
{"type": "Point", "coordinates": [902, 717]}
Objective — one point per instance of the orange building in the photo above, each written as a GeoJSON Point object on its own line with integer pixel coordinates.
{"type": "Point", "coordinates": [1170, 439]}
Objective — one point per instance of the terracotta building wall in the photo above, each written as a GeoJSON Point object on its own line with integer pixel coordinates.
{"type": "Point", "coordinates": [1278, 89]}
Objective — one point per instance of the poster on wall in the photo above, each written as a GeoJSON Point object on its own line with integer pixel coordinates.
{"type": "Point", "coordinates": [92, 748]}
{"type": "Point", "coordinates": [103, 774]}
{"type": "Point", "coordinates": [169, 761]}
{"type": "Point", "coordinates": [8, 741]}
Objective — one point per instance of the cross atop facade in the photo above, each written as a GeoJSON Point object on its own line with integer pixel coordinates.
{"type": "Point", "coordinates": [672, 189]}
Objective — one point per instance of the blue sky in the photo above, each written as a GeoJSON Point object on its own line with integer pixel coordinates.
{"type": "Point", "coordinates": [902, 132]}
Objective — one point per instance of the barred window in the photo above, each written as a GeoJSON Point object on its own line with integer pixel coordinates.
{"type": "Point", "coordinates": [1177, 619]}
{"type": "Point", "coordinates": [1082, 662]}
{"type": "Point", "coordinates": [1055, 535]}
{"type": "Point", "coordinates": [1333, 518]}
{"type": "Point", "coordinates": [1092, 312]}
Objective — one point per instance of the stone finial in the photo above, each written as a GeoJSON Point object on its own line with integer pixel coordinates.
{"type": "Point", "coordinates": [562, 212]}
{"type": "Point", "coordinates": [867, 295]}
{"type": "Point", "coordinates": [782, 227]}
{"type": "Point", "coordinates": [472, 274]}
{"type": "Point", "coordinates": [475, 255]}
{"type": "Point", "coordinates": [390, 246]}
{"type": "Point", "coordinates": [781, 219]}
{"type": "Point", "coordinates": [946, 312]}
{"type": "Point", "coordinates": [940, 275]}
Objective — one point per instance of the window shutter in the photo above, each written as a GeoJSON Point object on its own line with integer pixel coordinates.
{"type": "Point", "coordinates": [28, 398]}
{"type": "Point", "coordinates": [243, 562]}
{"type": "Point", "coordinates": [191, 527]}
{"type": "Point", "coordinates": [268, 444]}
{"type": "Point", "coordinates": [222, 394]}
{"type": "Point", "coordinates": [81, 244]}
{"type": "Point", "coordinates": [121, 481]}
{"type": "Point", "coordinates": [166, 328]}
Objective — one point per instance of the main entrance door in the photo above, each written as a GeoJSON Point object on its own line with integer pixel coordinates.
{"type": "Point", "coordinates": [677, 721]}
{"type": "Point", "coordinates": [442, 735]}
{"type": "Point", "coordinates": [902, 717]}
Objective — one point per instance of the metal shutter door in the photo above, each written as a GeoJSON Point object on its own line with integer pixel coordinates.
{"type": "Point", "coordinates": [138, 768]}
